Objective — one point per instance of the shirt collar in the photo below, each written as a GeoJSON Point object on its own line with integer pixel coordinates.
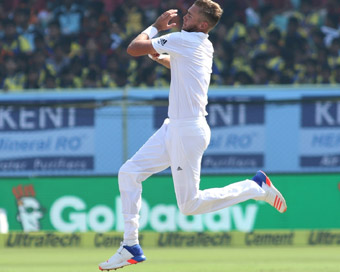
{"type": "Point", "coordinates": [199, 34]}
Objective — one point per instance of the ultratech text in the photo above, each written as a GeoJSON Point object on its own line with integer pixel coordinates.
{"type": "Point", "coordinates": [43, 240]}
{"type": "Point", "coordinates": [194, 239]}
{"type": "Point", "coordinates": [324, 238]}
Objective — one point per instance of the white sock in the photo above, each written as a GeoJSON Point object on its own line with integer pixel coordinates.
{"type": "Point", "coordinates": [130, 242]}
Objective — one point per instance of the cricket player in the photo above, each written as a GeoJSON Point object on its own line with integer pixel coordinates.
{"type": "Point", "coordinates": [184, 136]}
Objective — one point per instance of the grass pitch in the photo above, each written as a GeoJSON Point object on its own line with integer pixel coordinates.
{"type": "Point", "coordinates": [266, 259]}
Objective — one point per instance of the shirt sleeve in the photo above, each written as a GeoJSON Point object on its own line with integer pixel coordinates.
{"type": "Point", "coordinates": [169, 44]}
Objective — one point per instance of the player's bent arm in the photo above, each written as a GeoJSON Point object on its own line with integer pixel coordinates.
{"type": "Point", "coordinates": [165, 61]}
{"type": "Point", "coordinates": [161, 59]}
{"type": "Point", "coordinates": [141, 46]}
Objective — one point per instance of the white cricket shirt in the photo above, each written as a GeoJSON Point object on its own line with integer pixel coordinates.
{"type": "Point", "coordinates": [191, 55]}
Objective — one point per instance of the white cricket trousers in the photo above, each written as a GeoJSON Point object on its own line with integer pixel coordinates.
{"type": "Point", "coordinates": [179, 144]}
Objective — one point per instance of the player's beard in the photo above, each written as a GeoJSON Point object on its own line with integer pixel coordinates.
{"type": "Point", "coordinates": [190, 29]}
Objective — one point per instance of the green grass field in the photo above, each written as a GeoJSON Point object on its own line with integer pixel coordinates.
{"type": "Point", "coordinates": [304, 259]}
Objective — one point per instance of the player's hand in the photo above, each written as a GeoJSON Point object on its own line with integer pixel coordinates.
{"type": "Point", "coordinates": [154, 56]}
{"type": "Point", "coordinates": [162, 22]}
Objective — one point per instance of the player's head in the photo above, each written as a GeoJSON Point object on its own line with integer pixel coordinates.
{"type": "Point", "coordinates": [202, 16]}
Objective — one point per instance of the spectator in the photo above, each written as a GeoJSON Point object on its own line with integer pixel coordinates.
{"type": "Point", "coordinates": [44, 15]}
{"type": "Point", "coordinates": [310, 17]}
{"type": "Point", "coordinates": [266, 12]}
{"type": "Point", "coordinates": [293, 37]}
{"type": "Point", "coordinates": [335, 78]}
{"type": "Point", "coordinates": [255, 40]}
{"type": "Point", "coordinates": [23, 27]}
{"type": "Point", "coordinates": [242, 78]}
{"type": "Point", "coordinates": [117, 36]}
{"type": "Point", "coordinates": [275, 60]}
{"type": "Point", "coordinates": [90, 29]}
{"type": "Point", "coordinates": [309, 75]}
{"type": "Point", "coordinates": [92, 79]}
{"type": "Point", "coordinates": [14, 79]}
{"type": "Point", "coordinates": [53, 34]}
{"type": "Point", "coordinates": [105, 43]}
{"type": "Point", "coordinates": [50, 82]}
{"type": "Point", "coordinates": [32, 79]}
{"type": "Point", "coordinates": [41, 46]}
{"type": "Point", "coordinates": [240, 62]}
{"type": "Point", "coordinates": [77, 71]}
{"type": "Point", "coordinates": [274, 35]}
{"type": "Point", "coordinates": [324, 74]}
{"type": "Point", "coordinates": [130, 14]}
{"type": "Point", "coordinates": [330, 29]}
{"type": "Point", "coordinates": [122, 78]}
{"type": "Point", "coordinates": [92, 55]}
{"type": "Point", "coordinates": [39, 64]}
{"type": "Point", "coordinates": [316, 40]}
{"type": "Point", "coordinates": [66, 78]}
{"type": "Point", "coordinates": [12, 43]}
{"type": "Point", "coordinates": [110, 74]}
{"type": "Point", "coordinates": [334, 53]}
{"type": "Point", "coordinates": [69, 15]}
{"type": "Point", "coordinates": [59, 59]}
{"type": "Point", "coordinates": [261, 75]}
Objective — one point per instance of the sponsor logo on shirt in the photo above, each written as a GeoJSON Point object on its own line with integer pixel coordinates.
{"type": "Point", "coordinates": [162, 41]}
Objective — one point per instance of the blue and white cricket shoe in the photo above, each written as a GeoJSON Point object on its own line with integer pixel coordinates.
{"type": "Point", "coordinates": [272, 196]}
{"type": "Point", "coordinates": [124, 256]}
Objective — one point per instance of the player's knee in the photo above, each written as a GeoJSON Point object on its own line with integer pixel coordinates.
{"type": "Point", "coordinates": [127, 169]}
{"type": "Point", "coordinates": [124, 175]}
{"type": "Point", "coordinates": [129, 175]}
{"type": "Point", "coordinates": [187, 209]}
{"type": "Point", "coordinates": [123, 170]}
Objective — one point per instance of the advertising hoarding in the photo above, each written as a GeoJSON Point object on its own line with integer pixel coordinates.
{"type": "Point", "coordinates": [280, 130]}
{"type": "Point", "coordinates": [93, 204]}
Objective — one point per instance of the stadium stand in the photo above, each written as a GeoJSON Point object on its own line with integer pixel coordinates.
{"type": "Point", "coordinates": [81, 44]}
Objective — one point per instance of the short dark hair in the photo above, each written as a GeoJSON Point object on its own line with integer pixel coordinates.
{"type": "Point", "coordinates": [210, 10]}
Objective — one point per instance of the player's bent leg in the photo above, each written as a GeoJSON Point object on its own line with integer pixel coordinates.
{"type": "Point", "coordinates": [273, 195]}
{"type": "Point", "coordinates": [125, 255]}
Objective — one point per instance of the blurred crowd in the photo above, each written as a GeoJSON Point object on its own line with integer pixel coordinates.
{"type": "Point", "coordinates": [50, 44]}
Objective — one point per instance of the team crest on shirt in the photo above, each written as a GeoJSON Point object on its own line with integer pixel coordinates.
{"type": "Point", "coordinates": [162, 42]}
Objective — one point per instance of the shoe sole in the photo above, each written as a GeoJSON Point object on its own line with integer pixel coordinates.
{"type": "Point", "coordinates": [279, 199]}
{"type": "Point", "coordinates": [131, 261]}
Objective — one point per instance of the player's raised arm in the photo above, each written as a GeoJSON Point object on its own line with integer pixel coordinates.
{"type": "Point", "coordinates": [142, 45]}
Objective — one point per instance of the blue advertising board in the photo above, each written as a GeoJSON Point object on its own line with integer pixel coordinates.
{"type": "Point", "coordinates": [58, 134]}
{"type": "Point", "coordinates": [238, 135]}
{"type": "Point", "coordinates": [46, 138]}
{"type": "Point", "coordinates": [279, 130]}
{"type": "Point", "coordinates": [320, 132]}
